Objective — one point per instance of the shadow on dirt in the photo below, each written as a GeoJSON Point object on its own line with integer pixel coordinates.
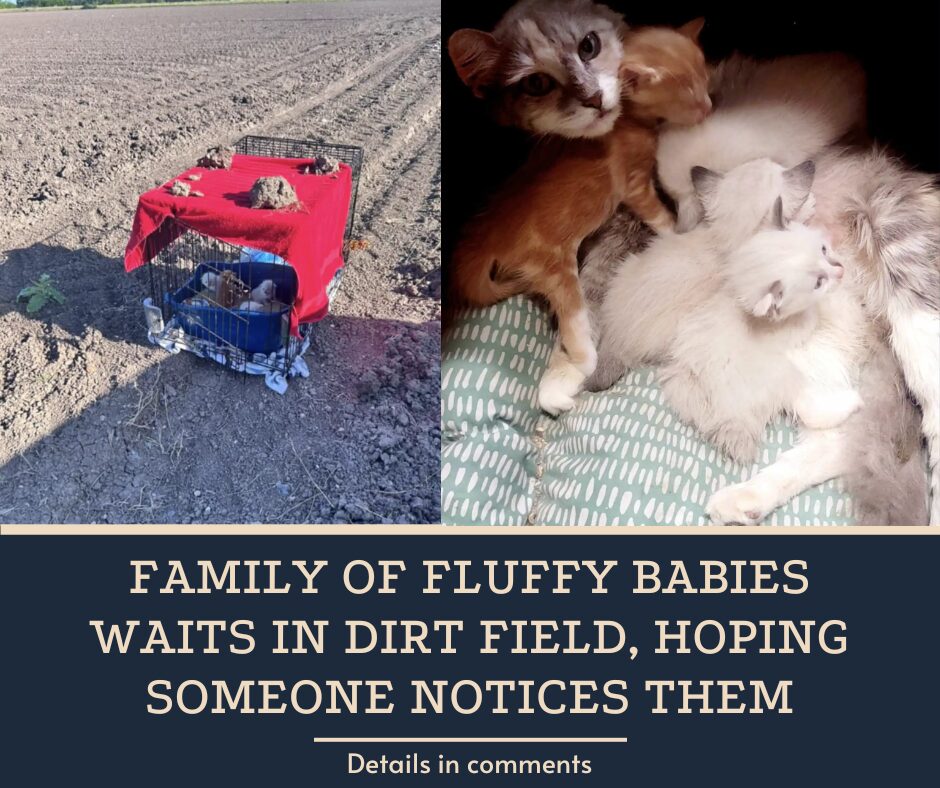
{"type": "Point", "coordinates": [98, 293]}
{"type": "Point", "coordinates": [180, 439]}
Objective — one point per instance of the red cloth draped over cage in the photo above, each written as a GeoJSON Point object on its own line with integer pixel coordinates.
{"type": "Point", "coordinates": [308, 236]}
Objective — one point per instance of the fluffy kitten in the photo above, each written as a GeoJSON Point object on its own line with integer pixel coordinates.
{"type": "Point", "coordinates": [738, 206]}
{"type": "Point", "coordinates": [690, 300]}
{"type": "Point", "coordinates": [528, 238]}
{"type": "Point", "coordinates": [771, 326]}
{"type": "Point", "coordinates": [225, 289]}
{"type": "Point", "coordinates": [740, 356]}
{"type": "Point", "coordinates": [839, 380]}
{"type": "Point", "coordinates": [549, 66]}
{"type": "Point", "coordinates": [787, 110]}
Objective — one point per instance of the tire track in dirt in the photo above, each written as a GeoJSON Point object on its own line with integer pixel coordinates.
{"type": "Point", "coordinates": [366, 89]}
{"type": "Point", "coordinates": [398, 166]}
{"type": "Point", "coordinates": [405, 205]}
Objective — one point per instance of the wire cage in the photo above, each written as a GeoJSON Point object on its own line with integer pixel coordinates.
{"type": "Point", "coordinates": [281, 148]}
{"type": "Point", "coordinates": [230, 303]}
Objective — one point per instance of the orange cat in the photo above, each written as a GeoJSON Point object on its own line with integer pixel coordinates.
{"type": "Point", "coordinates": [527, 240]}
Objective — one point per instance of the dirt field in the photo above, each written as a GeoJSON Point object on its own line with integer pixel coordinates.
{"type": "Point", "coordinates": [97, 425]}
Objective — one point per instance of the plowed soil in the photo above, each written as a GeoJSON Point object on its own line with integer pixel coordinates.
{"type": "Point", "coordinates": [96, 424]}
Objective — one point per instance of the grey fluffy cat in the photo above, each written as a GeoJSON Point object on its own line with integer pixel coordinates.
{"type": "Point", "coordinates": [569, 55]}
{"type": "Point", "coordinates": [885, 218]}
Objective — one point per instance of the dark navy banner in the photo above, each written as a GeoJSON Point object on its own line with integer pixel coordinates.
{"type": "Point", "coordinates": [729, 660]}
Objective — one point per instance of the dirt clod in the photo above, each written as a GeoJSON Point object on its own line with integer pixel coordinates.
{"type": "Point", "coordinates": [193, 176]}
{"type": "Point", "coordinates": [273, 192]}
{"type": "Point", "coordinates": [322, 165]}
{"type": "Point", "coordinates": [218, 158]}
{"type": "Point", "coordinates": [179, 189]}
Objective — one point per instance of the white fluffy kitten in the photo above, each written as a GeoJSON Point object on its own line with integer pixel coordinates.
{"type": "Point", "coordinates": [676, 269]}
{"type": "Point", "coordinates": [745, 353]}
{"type": "Point", "coordinates": [787, 110]}
{"type": "Point", "coordinates": [726, 310]}
{"type": "Point", "coordinates": [833, 371]}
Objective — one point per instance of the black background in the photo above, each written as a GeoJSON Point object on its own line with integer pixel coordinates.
{"type": "Point", "coordinates": [898, 43]}
{"type": "Point", "coordinates": [866, 717]}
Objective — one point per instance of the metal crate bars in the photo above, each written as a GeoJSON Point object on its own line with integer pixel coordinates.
{"type": "Point", "coordinates": [307, 149]}
{"type": "Point", "coordinates": [183, 312]}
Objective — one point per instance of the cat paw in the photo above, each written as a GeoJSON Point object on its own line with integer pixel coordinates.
{"type": "Point", "coordinates": [825, 411]}
{"type": "Point", "coordinates": [554, 403]}
{"type": "Point", "coordinates": [558, 389]}
{"type": "Point", "coordinates": [739, 504]}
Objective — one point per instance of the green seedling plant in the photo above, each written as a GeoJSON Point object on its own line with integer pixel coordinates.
{"type": "Point", "coordinates": [40, 293]}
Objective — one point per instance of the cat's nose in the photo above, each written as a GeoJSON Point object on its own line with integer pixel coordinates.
{"type": "Point", "coordinates": [595, 101]}
{"type": "Point", "coordinates": [838, 271]}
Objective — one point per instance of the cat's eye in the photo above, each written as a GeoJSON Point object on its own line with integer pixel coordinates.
{"type": "Point", "coordinates": [820, 279]}
{"type": "Point", "coordinates": [824, 250]}
{"type": "Point", "coordinates": [537, 84]}
{"type": "Point", "coordinates": [590, 47]}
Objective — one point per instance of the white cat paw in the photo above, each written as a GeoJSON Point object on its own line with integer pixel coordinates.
{"type": "Point", "coordinates": [558, 389]}
{"type": "Point", "coordinates": [825, 411]}
{"type": "Point", "coordinates": [739, 504]}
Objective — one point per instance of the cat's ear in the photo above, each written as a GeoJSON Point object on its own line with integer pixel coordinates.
{"type": "Point", "coordinates": [779, 222]}
{"type": "Point", "coordinates": [770, 302]}
{"type": "Point", "coordinates": [798, 181]}
{"type": "Point", "coordinates": [693, 29]}
{"type": "Point", "coordinates": [637, 75]}
{"type": "Point", "coordinates": [476, 57]}
{"type": "Point", "coordinates": [704, 181]}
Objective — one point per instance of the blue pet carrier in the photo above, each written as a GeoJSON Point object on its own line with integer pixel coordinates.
{"type": "Point", "coordinates": [250, 331]}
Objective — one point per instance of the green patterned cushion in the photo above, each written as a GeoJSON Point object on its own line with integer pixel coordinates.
{"type": "Point", "coordinates": [619, 458]}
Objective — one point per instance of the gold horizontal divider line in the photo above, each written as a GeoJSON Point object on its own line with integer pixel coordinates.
{"type": "Point", "coordinates": [463, 739]}
{"type": "Point", "coordinates": [462, 530]}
